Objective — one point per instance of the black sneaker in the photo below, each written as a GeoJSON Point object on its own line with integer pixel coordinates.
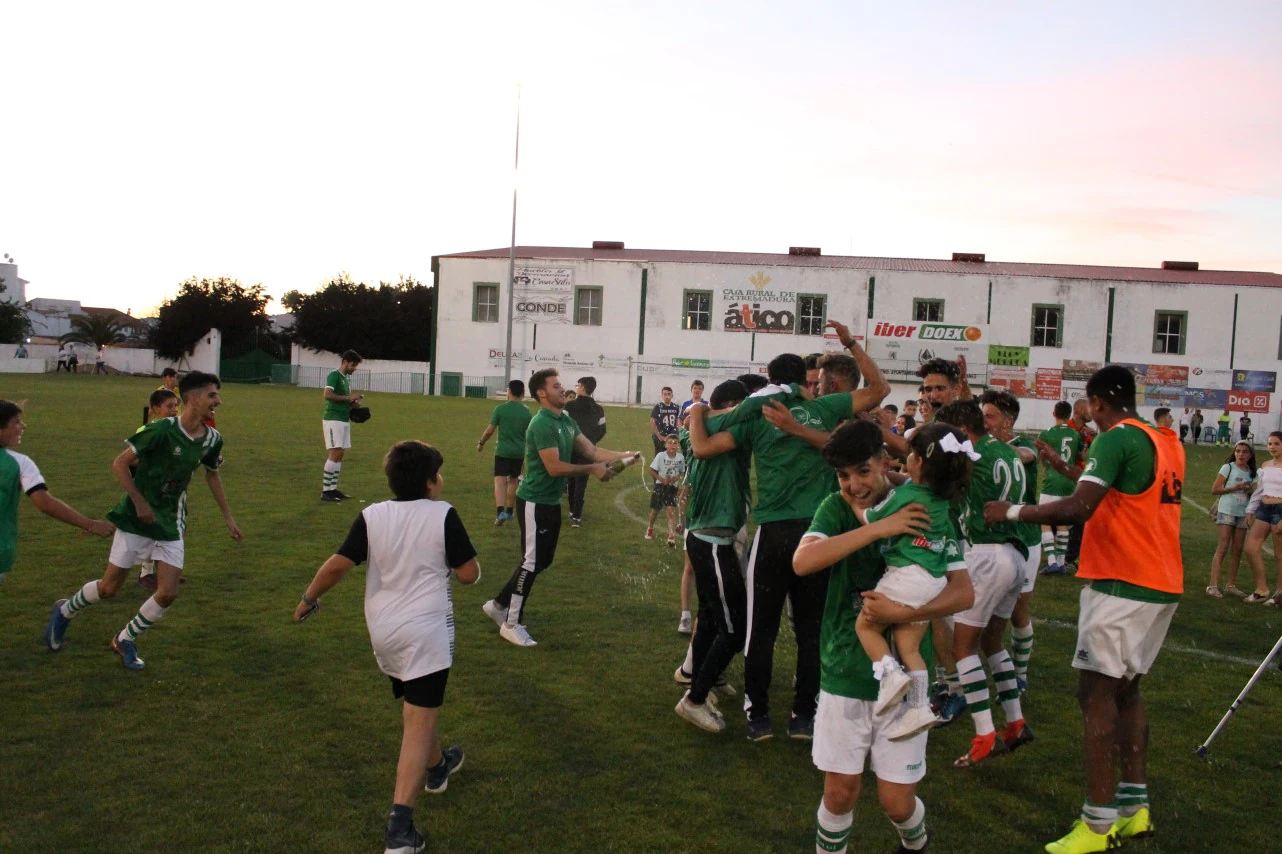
{"type": "Point", "coordinates": [408, 841]}
{"type": "Point", "coordinates": [438, 779]}
{"type": "Point", "coordinates": [760, 729]}
{"type": "Point", "coordinates": [330, 495]}
{"type": "Point", "coordinates": [902, 850]}
{"type": "Point", "coordinates": [801, 728]}
{"type": "Point", "coordinates": [342, 496]}
{"type": "Point", "coordinates": [576, 522]}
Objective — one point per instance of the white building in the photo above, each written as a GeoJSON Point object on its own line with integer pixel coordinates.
{"type": "Point", "coordinates": [15, 287]}
{"type": "Point", "coordinates": [638, 319]}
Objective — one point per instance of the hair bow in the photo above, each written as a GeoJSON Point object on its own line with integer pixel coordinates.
{"type": "Point", "coordinates": [949, 445]}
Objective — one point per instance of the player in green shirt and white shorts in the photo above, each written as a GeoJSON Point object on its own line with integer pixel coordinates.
{"type": "Point", "coordinates": [19, 476]}
{"type": "Point", "coordinates": [511, 419]}
{"type": "Point", "coordinates": [336, 423]}
{"type": "Point", "coordinates": [848, 735]}
{"type": "Point", "coordinates": [151, 517]}
{"type": "Point", "coordinates": [1066, 443]}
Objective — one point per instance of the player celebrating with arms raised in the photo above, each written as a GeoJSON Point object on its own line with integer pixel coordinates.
{"type": "Point", "coordinates": [151, 517]}
{"type": "Point", "coordinates": [1129, 497]}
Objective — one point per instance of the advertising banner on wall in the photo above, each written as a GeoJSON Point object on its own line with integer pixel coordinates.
{"type": "Point", "coordinates": [1049, 383]}
{"type": "Point", "coordinates": [544, 295]}
{"type": "Point", "coordinates": [1014, 380]}
{"type": "Point", "coordinates": [1007, 357]}
{"type": "Point", "coordinates": [1210, 378]}
{"type": "Point", "coordinates": [1205, 398]}
{"type": "Point", "coordinates": [921, 342]}
{"type": "Point", "coordinates": [1080, 370]}
{"type": "Point", "coordinates": [759, 308]}
{"type": "Point", "coordinates": [1248, 401]}
{"type": "Point", "coordinates": [1158, 375]}
{"type": "Point", "coordinates": [1254, 381]}
{"type": "Point", "coordinates": [1160, 395]}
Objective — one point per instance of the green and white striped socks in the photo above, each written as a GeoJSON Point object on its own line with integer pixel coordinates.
{"type": "Point", "coordinates": [1131, 798]}
{"type": "Point", "coordinates": [1099, 818]}
{"type": "Point", "coordinates": [83, 598]}
{"type": "Point", "coordinates": [147, 615]}
{"type": "Point", "coordinates": [330, 481]}
{"type": "Point", "coordinates": [1021, 643]}
{"type": "Point", "coordinates": [1007, 687]}
{"type": "Point", "coordinates": [833, 831]}
{"type": "Point", "coordinates": [974, 683]}
{"type": "Point", "coordinates": [912, 833]}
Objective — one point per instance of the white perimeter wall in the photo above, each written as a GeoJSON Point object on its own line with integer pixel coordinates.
{"type": "Point", "coordinates": [127, 360]}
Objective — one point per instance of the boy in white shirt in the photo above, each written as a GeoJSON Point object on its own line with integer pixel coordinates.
{"type": "Point", "coordinates": [415, 544]}
{"type": "Point", "coordinates": [667, 470]}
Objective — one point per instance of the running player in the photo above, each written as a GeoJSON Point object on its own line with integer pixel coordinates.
{"type": "Point", "coordinates": [549, 441]}
{"type": "Point", "coordinates": [19, 476]}
{"type": "Point", "coordinates": [336, 423]}
{"type": "Point", "coordinates": [848, 735]}
{"type": "Point", "coordinates": [511, 419]}
{"type": "Point", "coordinates": [1066, 443]}
{"type": "Point", "coordinates": [995, 556]}
{"type": "Point", "coordinates": [792, 480]}
{"type": "Point", "coordinates": [1129, 497]}
{"type": "Point", "coordinates": [1001, 411]}
{"type": "Point", "coordinates": [151, 517]}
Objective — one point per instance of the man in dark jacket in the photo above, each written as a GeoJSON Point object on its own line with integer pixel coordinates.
{"type": "Point", "coordinates": [590, 417]}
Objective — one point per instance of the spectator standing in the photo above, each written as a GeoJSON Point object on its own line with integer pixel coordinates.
{"type": "Point", "coordinates": [100, 361]}
{"type": "Point", "coordinates": [590, 417]}
{"type": "Point", "coordinates": [1195, 424]}
{"type": "Point", "coordinates": [696, 396]}
{"type": "Point", "coordinates": [73, 359]}
{"type": "Point", "coordinates": [1233, 485]}
{"type": "Point", "coordinates": [62, 360]}
{"type": "Point", "coordinates": [1244, 427]}
{"type": "Point", "coordinates": [663, 420]}
{"type": "Point", "coordinates": [21, 352]}
{"type": "Point", "coordinates": [910, 409]}
{"type": "Point", "coordinates": [1185, 421]}
{"type": "Point", "coordinates": [1222, 435]}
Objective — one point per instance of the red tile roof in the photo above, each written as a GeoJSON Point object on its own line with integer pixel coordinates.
{"type": "Point", "coordinates": [917, 265]}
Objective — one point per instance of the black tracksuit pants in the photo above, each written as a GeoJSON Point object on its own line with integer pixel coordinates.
{"type": "Point", "coordinates": [723, 609]}
{"type": "Point", "coordinates": [540, 528]}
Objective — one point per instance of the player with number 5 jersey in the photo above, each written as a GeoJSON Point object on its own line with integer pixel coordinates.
{"type": "Point", "coordinates": [1066, 443]}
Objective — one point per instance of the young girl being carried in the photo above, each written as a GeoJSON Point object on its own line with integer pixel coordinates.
{"type": "Point", "coordinates": [938, 464]}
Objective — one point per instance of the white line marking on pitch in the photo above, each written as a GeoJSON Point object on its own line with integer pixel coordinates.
{"type": "Point", "coordinates": [621, 504]}
{"type": "Point", "coordinates": [1186, 650]}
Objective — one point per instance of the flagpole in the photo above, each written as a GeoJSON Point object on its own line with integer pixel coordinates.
{"type": "Point", "coordinates": [511, 258]}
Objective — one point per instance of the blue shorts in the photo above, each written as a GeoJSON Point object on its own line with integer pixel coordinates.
{"type": "Point", "coordinates": [1271, 513]}
{"type": "Point", "coordinates": [1231, 521]}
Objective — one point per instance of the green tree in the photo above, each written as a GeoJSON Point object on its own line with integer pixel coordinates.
{"type": "Point", "coordinates": [292, 300]}
{"type": "Point", "coordinates": [205, 304]}
{"type": "Point", "coordinates": [14, 325]}
{"type": "Point", "coordinates": [380, 322]}
{"type": "Point", "coordinates": [96, 329]}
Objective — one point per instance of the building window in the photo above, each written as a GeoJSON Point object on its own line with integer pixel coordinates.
{"type": "Point", "coordinates": [698, 310]}
{"type": "Point", "coordinates": [928, 310]}
{"type": "Point", "coordinates": [1170, 329]}
{"type": "Point", "coordinates": [587, 306]}
{"type": "Point", "coordinates": [810, 314]}
{"type": "Point", "coordinates": [485, 302]}
{"type": "Point", "coordinates": [1048, 326]}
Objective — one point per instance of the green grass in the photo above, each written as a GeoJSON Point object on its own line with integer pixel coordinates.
{"type": "Point", "coordinates": [247, 732]}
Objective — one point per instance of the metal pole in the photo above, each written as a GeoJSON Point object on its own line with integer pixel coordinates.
{"type": "Point", "coordinates": [1259, 671]}
{"type": "Point", "coordinates": [511, 258]}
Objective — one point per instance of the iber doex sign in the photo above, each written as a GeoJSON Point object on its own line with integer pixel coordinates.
{"type": "Point", "coordinates": [927, 331]}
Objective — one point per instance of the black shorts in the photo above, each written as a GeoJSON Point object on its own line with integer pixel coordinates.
{"type": "Point", "coordinates": [508, 466]}
{"type": "Point", "coordinates": [427, 692]}
{"type": "Point", "coordinates": [664, 495]}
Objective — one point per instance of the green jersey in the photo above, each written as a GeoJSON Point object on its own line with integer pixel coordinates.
{"type": "Point", "coordinates": [338, 410]}
{"type": "Point", "coordinates": [512, 419]}
{"type": "Point", "coordinates": [792, 477]}
{"type": "Point", "coordinates": [997, 475]}
{"type": "Point", "coordinates": [547, 429]}
{"type": "Point", "coordinates": [1032, 532]}
{"type": "Point", "coordinates": [938, 551]}
{"type": "Point", "coordinates": [1067, 442]}
{"type": "Point", "coordinates": [1123, 459]}
{"type": "Point", "coordinates": [18, 476]}
{"type": "Point", "coordinates": [844, 668]}
{"type": "Point", "coordinates": [167, 457]}
{"type": "Point", "coordinates": [720, 493]}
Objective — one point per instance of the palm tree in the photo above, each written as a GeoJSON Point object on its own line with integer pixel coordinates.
{"type": "Point", "coordinates": [98, 330]}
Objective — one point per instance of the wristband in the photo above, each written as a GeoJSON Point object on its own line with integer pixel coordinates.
{"type": "Point", "coordinates": [1012, 512]}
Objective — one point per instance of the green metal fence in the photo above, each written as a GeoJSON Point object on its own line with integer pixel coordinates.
{"type": "Point", "coordinates": [256, 366]}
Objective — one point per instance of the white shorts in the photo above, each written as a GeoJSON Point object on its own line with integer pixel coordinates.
{"type": "Point", "coordinates": [127, 550]}
{"type": "Point", "coordinates": [997, 574]}
{"type": "Point", "coordinates": [1120, 637]}
{"type": "Point", "coordinates": [1030, 568]}
{"type": "Point", "coordinates": [338, 434]}
{"type": "Point", "coordinates": [1051, 499]}
{"type": "Point", "coordinates": [910, 585]}
{"type": "Point", "coordinates": [847, 733]}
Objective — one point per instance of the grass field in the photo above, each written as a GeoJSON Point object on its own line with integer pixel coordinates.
{"type": "Point", "coordinates": [247, 732]}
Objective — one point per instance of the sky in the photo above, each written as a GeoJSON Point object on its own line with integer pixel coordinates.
{"type": "Point", "coordinates": [283, 143]}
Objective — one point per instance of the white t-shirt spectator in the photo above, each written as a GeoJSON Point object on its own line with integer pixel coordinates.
{"type": "Point", "coordinates": [669, 467]}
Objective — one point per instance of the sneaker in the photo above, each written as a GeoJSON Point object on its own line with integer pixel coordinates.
{"type": "Point", "coordinates": [330, 495]}
{"type": "Point", "coordinates": [1021, 682]}
{"type": "Point", "coordinates": [1070, 568]}
{"type": "Point", "coordinates": [1016, 735]}
{"type": "Point", "coordinates": [703, 716]}
{"type": "Point", "coordinates": [951, 709]}
{"type": "Point", "coordinates": [649, 533]}
{"type": "Point", "coordinates": [1054, 569]}
{"type": "Point", "coordinates": [499, 520]}
{"type": "Point", "coordinates": [801, 728]}
{"type": "Point", "coordinates": [982, 747]}
{"type": "Point", "coordinates": [1233, 590]}
{"type": "Point", "coordinates": [760, 729]}
{"type": "Point", "coordinates": [509, 515]}
{"type": "Point", "coordinates": [902, 850]}
{"type": "Point", "coordinates": [1256, 598]}
{"type": "Point", "coordinates": [576, 522]}
{"type": "Point", "coordinates": [438, 778]}
{"type": "Point", "coordinates": [404, 842]}
{"type": "Point", "coordinates": [342, 496]}
{"type": "Point", "coordinates": [681, 677]}
{"type": "Point", "coordinates": [684, 624]}
{"type": "Point", "coordinates": [1082, 840]}
{"type": "Point", "coordinates": [495, 612]}
{"type": "Point", "coordinates": [1135, 826]}
{"type": "Point", "coordinates": [894, 685]}
{"type": "Point", "coordinates": [672, 541]}
{"type": "Point", "coordinates": [916, 719]}
{"type": "Point", "coordinates": [57, 627]}
{"type": "Point", "coordinates": [516, 635]}
{"type": "Point", "coordinates": [128, 652]}
{"type": "Point", "coordinates": [725, 689]}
